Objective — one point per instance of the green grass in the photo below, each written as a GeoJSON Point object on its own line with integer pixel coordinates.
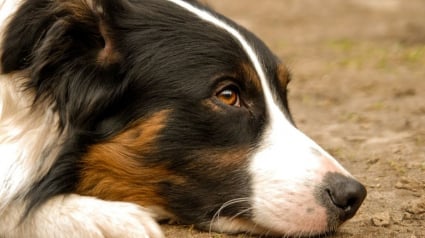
{"type": "Point", "coordinates": [376, 55]}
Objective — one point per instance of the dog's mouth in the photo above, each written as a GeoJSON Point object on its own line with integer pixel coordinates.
{"type": "Point", "coordinates": [296, 214]}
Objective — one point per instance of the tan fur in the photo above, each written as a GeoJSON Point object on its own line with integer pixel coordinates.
{"type": "Point", "coordinates": [114, 170]}
{"type": "Point", "coordinates": [283, 76]}
{"type": "Point", "coordinates": [248, 73]}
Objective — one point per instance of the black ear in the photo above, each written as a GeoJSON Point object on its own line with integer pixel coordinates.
{"type": "Point", "coordinates": [66, 52]}
{"type": "Point", "coordinates": [43, 30]}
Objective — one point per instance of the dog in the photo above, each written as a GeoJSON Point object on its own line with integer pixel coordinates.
{"type": "Point", "coordinates": [116, 115]}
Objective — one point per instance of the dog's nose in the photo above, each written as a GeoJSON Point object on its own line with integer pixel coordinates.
{"type": "Point", "coordinates": [345, 193]}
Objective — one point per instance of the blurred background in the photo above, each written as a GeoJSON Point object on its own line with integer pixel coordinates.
{"type": "Point", "coordinates": [358, 89]}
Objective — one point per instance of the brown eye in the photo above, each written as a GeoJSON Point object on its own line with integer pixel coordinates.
{"type": "Point", "coordinates": [229, 96]}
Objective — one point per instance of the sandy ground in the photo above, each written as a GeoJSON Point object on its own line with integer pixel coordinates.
{"type": "Point", "coordinates": [358, 90]}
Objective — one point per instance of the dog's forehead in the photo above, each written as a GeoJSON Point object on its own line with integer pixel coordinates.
{"type": "Point", "coordinates": [209, 17]}
{"type": "Point", "coordinates": [262, 65]}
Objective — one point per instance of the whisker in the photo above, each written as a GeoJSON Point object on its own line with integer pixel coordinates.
{"type": "Point", "coordinates": [216, 216]}
{"type": "Point", "coordinates": [241, 212]}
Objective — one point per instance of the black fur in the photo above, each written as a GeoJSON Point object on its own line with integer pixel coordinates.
{"type": "Point", "coordinates": [167, 59]}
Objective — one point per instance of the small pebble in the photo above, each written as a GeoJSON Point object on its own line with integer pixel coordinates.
{"type": "Point", "coordinates": [381, 219]}
{"type": "Point", "coordinates": [416, 206]}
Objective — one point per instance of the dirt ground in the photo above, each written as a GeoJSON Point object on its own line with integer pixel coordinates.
{"type": "Point", "coordinates": [358, 90]}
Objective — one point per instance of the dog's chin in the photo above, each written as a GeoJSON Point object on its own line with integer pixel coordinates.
{"type": "Point", "coordinates": [245, 226]}
{"type": "Point", "coordinates": [233, 226]}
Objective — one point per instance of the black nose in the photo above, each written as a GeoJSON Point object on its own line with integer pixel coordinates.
{"type": "Point", "coordinates": [345, 193]}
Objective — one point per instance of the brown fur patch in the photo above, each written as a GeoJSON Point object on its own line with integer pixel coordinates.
{"type": "Point", "coordinates": [249, 73]}
{"type": "Point", "coordinates": [283, 75]}
{"type": "Point", "coordinates": [114, 170]}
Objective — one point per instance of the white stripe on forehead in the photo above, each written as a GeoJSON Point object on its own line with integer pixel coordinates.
{"type": "Point", "coordinates": [207, 16]}
{"type": "Point", "coordinates": [280, 128]}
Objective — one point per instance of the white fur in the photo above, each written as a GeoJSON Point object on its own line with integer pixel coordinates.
{"type": "Point", "coordinates": [287, 168]}
{"type": "Point", "coordinates": [74, 216]}
{"type": "Point", "coordinates": [26, 134]}
{"type": "Point", "coordinates": [236, 225]}
{"type": "Point", "coordinates": [287, 165]}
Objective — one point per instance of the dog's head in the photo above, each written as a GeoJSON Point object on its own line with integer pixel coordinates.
{"type": "Point", "coordinates": [169, 105]}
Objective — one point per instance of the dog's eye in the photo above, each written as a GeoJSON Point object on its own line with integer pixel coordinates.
{"type": "Point", "coordinates": [229, 96]}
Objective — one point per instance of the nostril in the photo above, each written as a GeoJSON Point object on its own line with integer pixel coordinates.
{"type": "Point", "coordinates": [346, 194]}
{"type": "Point", "coordinates": [350, 202]}
{"type": "Point", "coordinates": [343, 198]}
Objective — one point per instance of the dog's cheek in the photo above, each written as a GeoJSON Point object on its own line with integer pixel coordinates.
{"type": "Point", "coordinates": [117, 169]}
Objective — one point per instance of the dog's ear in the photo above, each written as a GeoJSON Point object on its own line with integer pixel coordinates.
{"type": "Point", "coordinates": [66, 52]}
{"type": "Point", "coordinates": [54, 32]}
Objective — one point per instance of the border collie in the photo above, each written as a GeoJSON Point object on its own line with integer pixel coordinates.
{"type": "Point", "coordinates": [115, 115]}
